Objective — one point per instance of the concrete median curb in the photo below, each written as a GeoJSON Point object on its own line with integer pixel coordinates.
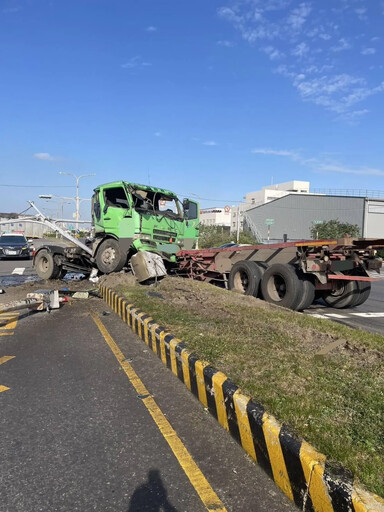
{"type": "Point", "coordinates": [301, 472]}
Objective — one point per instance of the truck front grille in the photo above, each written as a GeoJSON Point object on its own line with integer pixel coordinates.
{"type": "Point", "coordinates": [164, 236]}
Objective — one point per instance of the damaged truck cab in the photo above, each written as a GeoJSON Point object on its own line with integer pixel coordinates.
{"type": "Point", "coordinates": [127, 219]}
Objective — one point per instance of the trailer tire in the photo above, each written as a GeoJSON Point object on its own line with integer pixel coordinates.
{"type": "Point", "coordinates": [308, 292]}
{"type": "Point", "coordinates": [364, 290]}
{"type": "Point", "coordinates": [282, 286]}
{"type": "Point", "coordinates": [45, 265]}
{"type": "Point", "coordinates": [245, 277]}
{"type": "Point", "coordinates": [345, 297]}
{"type": "Point", "coordinates": [110, 257]}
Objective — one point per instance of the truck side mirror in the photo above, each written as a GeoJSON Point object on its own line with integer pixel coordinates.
{"type": "Point", "coordinates": [186, 205]}
{"type": "Point", "coordinates": [190, 209]}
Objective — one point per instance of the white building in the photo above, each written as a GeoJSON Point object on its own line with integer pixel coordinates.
{"type": "Point", "coordinates": [220, 216]}
{"type": "Point", "coordinates": [263, 196]}
{"type": "Point", "coordinates": [272, 192]}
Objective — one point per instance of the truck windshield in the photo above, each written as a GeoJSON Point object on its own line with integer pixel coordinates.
{"type": "Point", "coordinates": [156, 203]}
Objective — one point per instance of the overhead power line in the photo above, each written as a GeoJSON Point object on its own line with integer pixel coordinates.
{"type": "Point", "coordinates": [37, 186]}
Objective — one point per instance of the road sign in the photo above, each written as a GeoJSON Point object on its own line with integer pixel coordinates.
{"type": "Point", "coordinates": [317, 222]}
{"type": "Point", "coordinates": [269, 222]}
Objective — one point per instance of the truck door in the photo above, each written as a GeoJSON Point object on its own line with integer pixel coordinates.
{"type": "Point", "coordinates": [192, 219]}
{"type": "Point", "coordinates": [116, 212]}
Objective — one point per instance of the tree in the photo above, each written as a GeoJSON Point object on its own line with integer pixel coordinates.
{"type": "Point", "coordinates": [334, 229]}
{"type": "Point", "coordinates": [214, 236]}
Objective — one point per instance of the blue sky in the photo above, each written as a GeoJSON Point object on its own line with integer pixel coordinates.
{"type": "Point", "coordinates": [210, 98]}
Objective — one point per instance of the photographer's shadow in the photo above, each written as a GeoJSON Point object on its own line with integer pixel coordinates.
{"type": "Point", "coordinates": [151, 496]}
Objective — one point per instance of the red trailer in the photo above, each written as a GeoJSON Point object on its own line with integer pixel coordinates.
{"type": "Point", "coordinates": [291, 274]}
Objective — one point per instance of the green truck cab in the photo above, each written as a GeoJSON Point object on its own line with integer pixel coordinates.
{"type": "Point", "coordinates": [128, 218]}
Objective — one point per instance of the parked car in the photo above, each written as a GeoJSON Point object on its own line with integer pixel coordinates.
{"type": "Point", "coordinates": [14, 245]}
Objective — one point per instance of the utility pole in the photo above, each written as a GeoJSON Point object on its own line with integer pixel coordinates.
{"type": "Point", "coordinates": [77, 198]}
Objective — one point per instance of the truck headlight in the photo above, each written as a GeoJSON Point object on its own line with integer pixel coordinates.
{"type": "Point", "coordinates": [141, 236]}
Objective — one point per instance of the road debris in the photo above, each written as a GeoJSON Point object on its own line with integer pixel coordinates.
{"type": "Point", "coordinates": [39, 300]}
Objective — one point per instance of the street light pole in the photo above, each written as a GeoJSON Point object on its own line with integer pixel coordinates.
{"type": "Point", "coordinates": [77, 198]}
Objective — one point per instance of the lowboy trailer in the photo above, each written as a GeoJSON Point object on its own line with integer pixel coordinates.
{"type": "Point", "coordinates": [291, 274]}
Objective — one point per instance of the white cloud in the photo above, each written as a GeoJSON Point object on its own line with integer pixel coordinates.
{"type": "Point", "coordinates": [151, 28]}
{"type": "Point", "coordinates": [276, 152]}
{"type": "Point", "coordinates": [300, 50]}
{"type": "Point", "coordinates": [227, 44]}
{"type": "Point", "coordinates": [135, 62]}
{"type": "Point", "coordinates": [363, 171]}
{"type": "Point", "coordinates": [368, 51]}
{"type": "Point", "coordinates": [312, 38]}
{"type": "Point", "coordinates": [273, 53]}
{"type": "Point", "coordinates": [12, 10]}
{"type": "Point", "coordinates": [46, 156]}
{"type": "Point", "coordinates": [361, 13]}
{"type": "Point", "coordinates": [210, 143]}
{"type": "Point", "coordinates": [341, 46]}
{"type": "Point", "coordinates": [298, 16]}
{"type": "Point", "coordinates": [319, 164]}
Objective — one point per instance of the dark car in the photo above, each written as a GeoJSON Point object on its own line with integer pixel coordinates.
{"type": "Point", "coordinates": [14, 246]}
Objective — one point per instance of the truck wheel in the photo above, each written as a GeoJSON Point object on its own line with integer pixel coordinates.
{"type": "Point", "coordinates": [364, 290]}
{"type": "Point", "coordinates": [281, 285]}
{"type": "Point", "coordinates": [109, 257]}
{"type": "Point", "coordinates": [308, 292]}
{"type": "Point", "coordinates": [345, 295]}
{"type": "Point", "coordinates": [245, 277]}
{"type": "Point", "coordinates": [45, 265]}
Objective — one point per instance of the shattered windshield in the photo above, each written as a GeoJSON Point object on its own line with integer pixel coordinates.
{"type": "Point", "coordinates": [156, 203]}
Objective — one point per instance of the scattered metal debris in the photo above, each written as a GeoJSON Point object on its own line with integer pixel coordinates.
{"type": "Point", "coordinates": [39, 300]}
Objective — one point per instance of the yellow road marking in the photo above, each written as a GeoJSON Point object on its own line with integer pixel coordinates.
{"type": "Point", "coordinates": [8, 321]}
{"type": "Point", "coordinates": [3, 360]}
{"type": "Point", "coordinates": [8, 333]}
{"type": "Point", "coordinates": [207, 495]}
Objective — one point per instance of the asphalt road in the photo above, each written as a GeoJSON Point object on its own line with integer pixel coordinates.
{"type": "Point", "coordinates": [76, 435]}
{"type": "Point", "coordinates": [369, 316]}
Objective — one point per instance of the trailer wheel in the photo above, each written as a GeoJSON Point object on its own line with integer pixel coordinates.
{"type": "Point", "coordinates": [346, 295]}
{"type": "Point", "coordinates": [245, 277]}
{"type": "Point", "coordinates": [282, 286]}
{"type": "Point", "coordinates": [109, 257]}
{"type": "Point", "coordinates": [308, 292]}
{"type": "Point", "coordinates": [364, 290]}
{"type": "Point", "coordinates": [45, 265]}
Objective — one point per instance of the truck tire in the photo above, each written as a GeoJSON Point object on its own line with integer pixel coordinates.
{"type": "Point", "coordinates": [345, 296]}
{"type": "Point", "coordinates": [245, 277]}
{"type": "Point", "coordinates": [109, 257]}
{"type": "Point", "coordinates": [45, 265]}
{"type": "Point", "coordinates": [364, 290]}
{"type": "Point", "coordinates": [308, 292]}
{"type": "Point", "coordinates": [282, 286]}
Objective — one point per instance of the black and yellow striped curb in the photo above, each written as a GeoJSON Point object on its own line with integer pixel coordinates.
{"type": "Point", "coordinates": [300, 471]}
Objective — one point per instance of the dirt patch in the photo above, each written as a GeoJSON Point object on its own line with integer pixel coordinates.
{"type": "Point", "coordinates": [113, 281]}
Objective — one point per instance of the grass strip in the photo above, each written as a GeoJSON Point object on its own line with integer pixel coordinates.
{"type": "Point", "coordinates": [335, 402]}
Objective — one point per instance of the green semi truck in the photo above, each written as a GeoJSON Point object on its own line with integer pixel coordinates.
{"type": "Point", "coordinates": [131, 224]}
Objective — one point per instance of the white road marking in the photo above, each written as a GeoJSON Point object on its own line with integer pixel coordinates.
{"type": "Point", "coordinates": [335, 315]}
{"type": "Point", "coordinates": [317, 315]}
{"type": "Point", "coordinates": [369, 315]}
{"type": "Point", "coordinates": [19, 271]}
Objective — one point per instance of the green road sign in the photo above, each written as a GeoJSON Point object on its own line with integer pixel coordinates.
{"type": "Point", "coordinates": [317, 221]}
{"type": "Point", "coordinates": [269, 222]}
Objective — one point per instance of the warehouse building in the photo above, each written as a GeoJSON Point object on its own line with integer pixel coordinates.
{"type": "Point", "coordinates": [292, 216]}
